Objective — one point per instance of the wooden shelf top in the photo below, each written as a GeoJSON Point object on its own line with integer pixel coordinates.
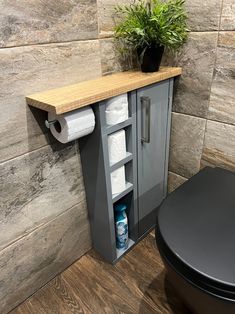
{"type": "Point", "coordinates": [85, 93]}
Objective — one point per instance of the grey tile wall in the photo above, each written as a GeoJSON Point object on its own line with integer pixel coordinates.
{"type": "Point", "coordinates": [111, 60]}
{"type": "Point", "coordinates": [219, 145]}
{"type": "Point", "coordinates": [36, 187]}
{"type": "Point", "coordinates": [228, 15]}
{"type": "Point", "coordinates": [29, 69]}
{"type": "Point", "coordinates": [203, 15]}
{"type": "Point", "coordinates": [205, 90]}
{"type": "Point", "coordinates": [187, 134]}
{"type": "Point", "coordinates": [174, 181]}
{"type": "Point", "coordinates": [36, 258]}
{"type": "Point", "coordinates": [192, 92]}
{"type": "Point", "coordinates": [222, 101]}
{"type": "Point", "coordinates": [31, 22]}
{"type": "Point", "coordinates": [107, 17]}
{"type": "Point", "coordinates": [43, 217]}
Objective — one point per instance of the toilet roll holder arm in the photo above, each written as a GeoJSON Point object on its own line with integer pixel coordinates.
{"type": "Point", "coordinates": [49, 123]}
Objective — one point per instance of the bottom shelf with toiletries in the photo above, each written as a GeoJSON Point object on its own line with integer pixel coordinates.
{"type": "Point", "coordinates": [125, 225]}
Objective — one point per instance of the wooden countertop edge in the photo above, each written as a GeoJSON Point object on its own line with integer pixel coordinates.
{"type": "Point", "coordinates": [37, 100]}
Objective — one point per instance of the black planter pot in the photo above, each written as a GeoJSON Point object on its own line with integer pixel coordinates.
{"type": "Point", "coordinates": [151, 58]}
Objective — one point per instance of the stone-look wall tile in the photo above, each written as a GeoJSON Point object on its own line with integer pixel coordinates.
{"type": "Point", "coordinates": [174, 181]}
{"type": "Point", "coordinates": [38, 21]}
{"type": "Point", "coordinates": [186, 144]}
{"type": "Point", "coordinates": [219, 145]}
{"type": "Point", "coordinates": [26, 70]}
{"type": "Point", "coordinates": [107, 16]}
{"type": "Point", "coordinates": [112, 60]}
{"type": "Point", "coordinates": [222, 101]}
{"type": "Point", "coordinates": [192, 89]}
{"type": "Point", "coordinates": [203, 15]}
{"type": "Point", "coordinates": [32, 261]}
{"type": "Point", "coordinates": [36, 187]}
{"type": "Point", "coordinates": [228, 15]}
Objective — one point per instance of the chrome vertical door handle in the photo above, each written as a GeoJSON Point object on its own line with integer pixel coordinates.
{"type": "Point", "coordinates": [145, 118]}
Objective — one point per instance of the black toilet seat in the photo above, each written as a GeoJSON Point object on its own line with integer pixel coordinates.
{"type": "Point", "coordinates": [196, 231]}
{"type": "Point", "coordinates": [189, 274]}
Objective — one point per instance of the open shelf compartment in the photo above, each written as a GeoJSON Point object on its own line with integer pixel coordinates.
{"type": "Point", "coordinates": [97, 180]}
{"type": "Point", "coordinates": [129, 149]}
{"type": "Point", "coordinates": [129, 182]}
{"type": "Point", "coordinates": [109, 129]}
{"type": "Point", "coordinates": [129, 201]}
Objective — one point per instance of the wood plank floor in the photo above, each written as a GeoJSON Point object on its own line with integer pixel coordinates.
{"type": "Point", "coordinates": [136, 284]}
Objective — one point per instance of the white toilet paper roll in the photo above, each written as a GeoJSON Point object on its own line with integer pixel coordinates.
{"type": "Point", "coordinates": [116, 109]}
{"type": "Point", "coordinates": [117, 146]}
{"type": "Point", "coordinates": [118, 181]}
{"type": "Point", "coordinates": [72, 125]}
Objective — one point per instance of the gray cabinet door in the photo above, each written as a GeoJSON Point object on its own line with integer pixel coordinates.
{"type": "Point", "coordinates": [152, 119]}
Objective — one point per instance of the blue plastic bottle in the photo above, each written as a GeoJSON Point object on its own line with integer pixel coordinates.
{"type": "Point", "coordinates": [121, 226]}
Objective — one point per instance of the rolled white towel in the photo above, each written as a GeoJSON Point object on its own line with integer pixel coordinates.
{"type": "Point", "coordinates": [117, 146]}
{"type": "Point", "coordinates": [116, 110]}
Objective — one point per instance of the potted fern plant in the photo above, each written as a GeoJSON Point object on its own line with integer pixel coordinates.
{"type": "Point", "coordinates": [148, 27]}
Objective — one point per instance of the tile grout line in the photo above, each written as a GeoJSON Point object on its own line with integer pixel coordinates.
{"type": "Point", "coordinates": [190, 115]}
{"type": "Point", "coordinates": [221, 122]}
{"type": "Point", "coordinates": [178, 174]}
{"type": "Point", "coordinates": [31, 231]}
{"type": "Point", "coordinates": [50, 43]}
{"type": "Point", "coordinates": [86, 40]}
{"type": "Point", "coordinates": [26, 153]}
{"type": "Point", "coordinates": [207, 119]}
{"type": "Point", "coordinates": [38, 148]}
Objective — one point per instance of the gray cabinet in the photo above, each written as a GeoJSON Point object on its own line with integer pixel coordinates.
{"type": "Point", "coordinates": [153, 114]}
{"type": "Point", "coordinates": [146, 163]}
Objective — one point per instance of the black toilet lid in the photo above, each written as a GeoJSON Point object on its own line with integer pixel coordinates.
{"type": "Point", "coordinates": [197, 224]}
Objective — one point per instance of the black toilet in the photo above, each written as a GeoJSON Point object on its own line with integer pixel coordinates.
{"type": "Point", "coordinates": [195, 235]}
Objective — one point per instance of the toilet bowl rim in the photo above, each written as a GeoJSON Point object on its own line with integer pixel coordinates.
{"type": "Point", "coordinates": [212, 286]}
{"type": "Point", "coordinates": [206, 291]}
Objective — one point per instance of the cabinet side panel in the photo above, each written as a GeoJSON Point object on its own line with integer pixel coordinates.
{"type": "Point", "coordinates": [168, 132]}
{"type": "Point", "coordinates": [134, 216]}
{"type": "Point", "coordinates": [98, 190]}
